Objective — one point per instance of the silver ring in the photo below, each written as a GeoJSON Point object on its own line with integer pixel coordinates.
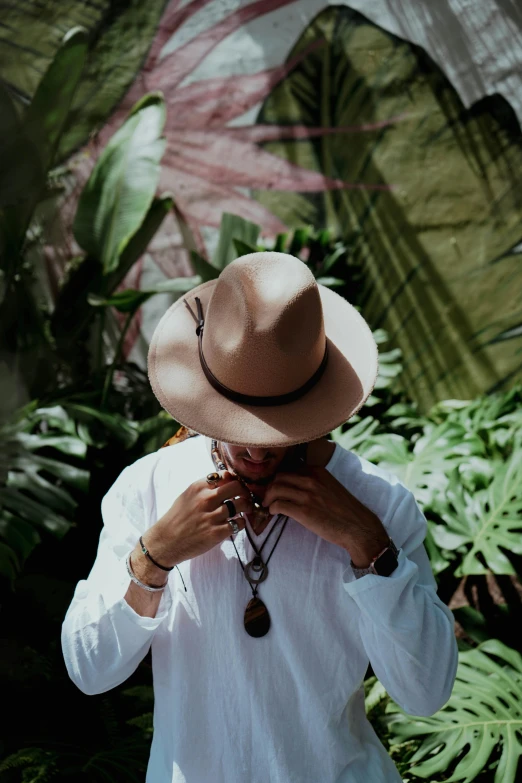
{"type": "Point", "coordinates": [233, 524]}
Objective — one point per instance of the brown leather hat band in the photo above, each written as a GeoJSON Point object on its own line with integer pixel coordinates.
{"type": "Point", "coordinates": [250, 399]}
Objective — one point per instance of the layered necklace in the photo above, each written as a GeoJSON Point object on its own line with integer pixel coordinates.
{"type": "Point", "coordinates": [256, 618]}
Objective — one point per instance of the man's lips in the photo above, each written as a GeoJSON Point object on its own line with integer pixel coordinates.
{"type": "Point", "coordinates": [256, 467]}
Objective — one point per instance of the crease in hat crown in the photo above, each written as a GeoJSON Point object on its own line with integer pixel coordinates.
{"type": "Point", "coordinates": [264, 329]}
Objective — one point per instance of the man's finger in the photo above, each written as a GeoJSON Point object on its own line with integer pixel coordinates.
{"type": "Point", "coordinates": [285, 507]}
{"type": "Point", "coordinates": [295, 495]}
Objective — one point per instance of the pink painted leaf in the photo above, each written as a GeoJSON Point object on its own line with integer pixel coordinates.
{"type": "Point", "coordinates": [173, 18]}
{"type": "Point", "coordinates": [227, 161]}
{"type": "Point", "coordinates": [203, 202]}
{"type": "Point", "coordinates": [175, 67]}
{"type": "Point", "coordinates": [212, 103]}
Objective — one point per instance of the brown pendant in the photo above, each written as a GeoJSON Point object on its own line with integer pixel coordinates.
{"type": "Point", "coordinates": [257, 619]}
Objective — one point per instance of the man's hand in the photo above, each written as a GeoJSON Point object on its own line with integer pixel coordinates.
{"type": "Point", "coordinates": [197, 520]}
{"type": "Point", "coordinates": [315, 499]}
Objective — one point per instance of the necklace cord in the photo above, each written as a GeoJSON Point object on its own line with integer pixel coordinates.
{"type": "Point", "coordinates": [215, 453]}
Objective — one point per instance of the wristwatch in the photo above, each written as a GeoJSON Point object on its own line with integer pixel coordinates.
{"type": "Point", "coordinates": [382, 564]}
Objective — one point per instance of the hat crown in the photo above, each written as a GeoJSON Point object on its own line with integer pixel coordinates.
{"type": "Point", "coordinates": [264, 329]}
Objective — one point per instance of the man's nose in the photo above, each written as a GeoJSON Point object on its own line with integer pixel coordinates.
{"type": "Point", "coordinates": [257, 455]}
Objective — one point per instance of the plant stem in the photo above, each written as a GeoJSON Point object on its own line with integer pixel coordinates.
{"type": "Point", "coordinates": [116, 358]}
{"type": "Point", "coordinates": [99, 347]}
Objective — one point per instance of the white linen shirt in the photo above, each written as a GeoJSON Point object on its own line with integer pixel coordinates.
{"type": "Point", "coordinates": [287, 707]}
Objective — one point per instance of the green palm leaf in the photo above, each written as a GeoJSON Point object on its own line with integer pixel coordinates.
{"type": "Point", "coordinates": [121, 188]}
{"type": "Point", "coordinates": [453, 311]}
{"type": "Point", "coordinates": [484, 521]}
{"type": "Point", "coordinates": [481, 720]}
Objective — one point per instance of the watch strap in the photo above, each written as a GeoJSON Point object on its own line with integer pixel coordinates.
{"type": "Point", "coordinates": [358, 572]}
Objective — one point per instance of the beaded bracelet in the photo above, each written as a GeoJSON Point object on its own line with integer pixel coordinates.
{"type": "Point", "coordinates": [149, 588]}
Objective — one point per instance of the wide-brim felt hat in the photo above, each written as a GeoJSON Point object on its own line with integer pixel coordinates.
{"type": "Point", "coordinates": [263, 355]}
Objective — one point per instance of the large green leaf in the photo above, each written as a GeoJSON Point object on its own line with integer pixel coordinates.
{"type": "Point", "coordinates": [437, 272]}
{"type": "Point", "coordinates": [35, 487]}
{"type": "Point", "coordinates": [48, 111]}
{"type": "Point", "coordinates": [120, 190]}
{"type": "Point", "coordinates": [72, 313]}
{"type": "Point", "coordinates": [481, 721]}
{"type": "Point", "coordinates": [496, 418]}
{"type": "Point", "coordinates": [485, 520]}
{"type": "Point", "coordinates": [131, 299]}
{"type": "Point", "coordinates": [20, 165]}
{"type": "Point", "coordinates": [233, 228]}
{"type": "Point", "coordinates": [423, 466]}
{"type": "Point", "coordinates": [120, 34]}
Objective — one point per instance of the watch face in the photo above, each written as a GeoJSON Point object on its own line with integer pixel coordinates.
{"type": "Point", "coordinates": [386, 563]}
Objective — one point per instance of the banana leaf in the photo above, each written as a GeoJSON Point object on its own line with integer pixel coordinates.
{"type": "Point", "coordinates": [20, 165]}
{"type": "Point", "coordinates": [130, 300]}
{"type": "Point", "coordinates": [47, 114]}
{"type": "Point", "coordinates": [432, 203]}
{"type": "Point", "coordinates": [73, 314]}
{"type": "Point", "coordinates": [481, 722]}
{"type": "Point", "coordinates": [121, 188]}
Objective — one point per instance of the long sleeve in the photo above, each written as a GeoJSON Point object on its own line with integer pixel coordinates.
{"type": "Point", "coordinates": [407, 631]}
{"type": "Point", "coordinates": [103, 638]}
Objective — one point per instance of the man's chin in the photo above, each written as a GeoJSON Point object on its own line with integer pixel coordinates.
{"type": "Point", "coordinates": [259, 481]}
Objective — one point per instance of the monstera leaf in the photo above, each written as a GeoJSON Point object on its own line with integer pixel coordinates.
{"type": "Point", "coordinates": [35, 487]}
{"type": "Point", "coordinates": [424, 468]}
{"type": "Point", "coordinates": [438, 241]}
{"type": "Point", "coordinates": [496, 418]}
{"type": "Point", "coordinates": [481, 721]}
{"type": "Point", "coordinates": [485, 520]}
{"type": "Point", "coordinates": [119, 37]}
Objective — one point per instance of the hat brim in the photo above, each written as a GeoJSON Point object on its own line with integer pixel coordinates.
{"type": "Point", "coordinates": [182, 389]}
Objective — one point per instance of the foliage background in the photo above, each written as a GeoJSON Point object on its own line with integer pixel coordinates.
{"type": "Point", "coordinates": [378, 143]}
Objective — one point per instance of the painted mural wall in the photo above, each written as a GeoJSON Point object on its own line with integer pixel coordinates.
{"type": "Point", "coordinates": [395, 123]}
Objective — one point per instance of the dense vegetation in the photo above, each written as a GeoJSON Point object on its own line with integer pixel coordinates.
{"type": "Point", "coordinates": [92, 412]}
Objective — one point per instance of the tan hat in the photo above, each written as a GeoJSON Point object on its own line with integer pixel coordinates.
{"type": "Point", "coordinates": [263, 355]}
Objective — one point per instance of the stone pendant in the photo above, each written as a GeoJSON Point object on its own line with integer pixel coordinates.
{"type": "Point", "coordinates": [257, 619]}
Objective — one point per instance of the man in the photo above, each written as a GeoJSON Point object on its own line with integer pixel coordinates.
{"type": "Point", "coordinates": [298, 563]}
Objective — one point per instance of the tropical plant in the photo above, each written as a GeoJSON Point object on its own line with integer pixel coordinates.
{"type": "Point", "coordinates": [479, 728]}
{"type": "Point", "coordinates": [48, 457]}
{"type": "Point", "coordinates": [118, 37]}
{"type": "Point", "coordinates": [37, 474]}
{"type": "Point", "coordinates": [484, 522]}
{"type": "Point", "coordinates": [117, 216]}
{"type": "Point", "coordinates": [28, 147]}
{"type": "Point", "coordinates": [454, 313]}
{"type": "Point", "coordinates": [462, 463]}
